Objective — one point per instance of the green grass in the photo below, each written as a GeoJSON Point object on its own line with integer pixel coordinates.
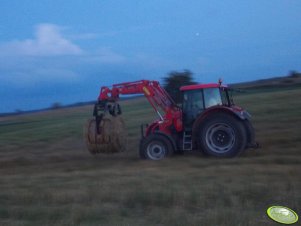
{"type": "Point", "coordinates": [49, 178]}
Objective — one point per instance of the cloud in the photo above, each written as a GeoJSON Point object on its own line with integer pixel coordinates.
{"type": "Point", "coordinates": [28, 72]}
{"type": "Point", "coordinates": [84, 36]}
{"type": "Point", "coordinates": [48, 41]}
{"type": "Point", "coordinates": [105, 55]}
{"type": "Point", "coordinates": [51, 57]}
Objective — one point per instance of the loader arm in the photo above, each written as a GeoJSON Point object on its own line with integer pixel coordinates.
{"type": "Point", "coordinates": [170, 115]}
{"type": "Point", "coordinates": [155, 94]}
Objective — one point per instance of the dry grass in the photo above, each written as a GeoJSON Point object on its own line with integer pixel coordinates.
{"type": "Point", "coordinates": [49, 178]}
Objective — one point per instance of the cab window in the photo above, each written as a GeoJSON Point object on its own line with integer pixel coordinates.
{"type": "Point", "coordinates": [212, 97]}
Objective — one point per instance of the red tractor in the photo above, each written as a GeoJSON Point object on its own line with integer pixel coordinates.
{"type": "Point", "coordinates": [207, 120]}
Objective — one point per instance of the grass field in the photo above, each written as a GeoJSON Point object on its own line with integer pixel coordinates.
{"type": "Point", "coordinates": [49, 178]}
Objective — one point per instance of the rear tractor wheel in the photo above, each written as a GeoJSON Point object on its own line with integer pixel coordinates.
{"type": "Point", "coordinates": [222, 135]}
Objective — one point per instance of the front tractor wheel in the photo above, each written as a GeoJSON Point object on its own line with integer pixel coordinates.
{"type": "Point", "coordinates": [155, 147]}
{"type": "Point", "coordinates": [222, 136]}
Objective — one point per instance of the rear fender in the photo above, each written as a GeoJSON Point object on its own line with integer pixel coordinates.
{"type": "Point", "coordinates": [241, 114]}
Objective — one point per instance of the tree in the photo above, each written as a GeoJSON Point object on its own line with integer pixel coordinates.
{"type": "Point", "coordinates": [56, 105]}
{"type": "Point", "coordinates": [175, 80]}
{"type": "Point", "coordinates": [18, 111]}
{"type": "Point", "coordinates": [294, 74]}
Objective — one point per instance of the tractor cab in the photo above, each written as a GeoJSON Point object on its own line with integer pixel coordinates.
{"type": "Point", "coordinates": [198, 98]}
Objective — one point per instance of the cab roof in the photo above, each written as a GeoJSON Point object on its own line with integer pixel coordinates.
{"type": "Point", "coordinates": [202, 86]}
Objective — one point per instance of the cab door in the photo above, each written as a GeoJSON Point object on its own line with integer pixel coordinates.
{"type": "Point", "coordinates": [193, 105]}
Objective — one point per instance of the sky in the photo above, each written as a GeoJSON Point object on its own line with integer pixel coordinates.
{"type": "Point", "coordinates": [64, 51]}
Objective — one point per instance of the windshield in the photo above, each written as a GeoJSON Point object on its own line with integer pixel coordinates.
{"type": "Point", "coordinates": [216, 96]}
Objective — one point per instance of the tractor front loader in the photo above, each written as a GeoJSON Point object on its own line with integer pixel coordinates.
{"type": "Point", "coordinates": [207, 121]}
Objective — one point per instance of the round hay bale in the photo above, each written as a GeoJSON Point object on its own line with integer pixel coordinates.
{"type": "Point", "coordinates": [90, 135]}
{"type": "Point", "coordinates": [118, 136]}
{"type": "Point", "coordinates": [112, 137]}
